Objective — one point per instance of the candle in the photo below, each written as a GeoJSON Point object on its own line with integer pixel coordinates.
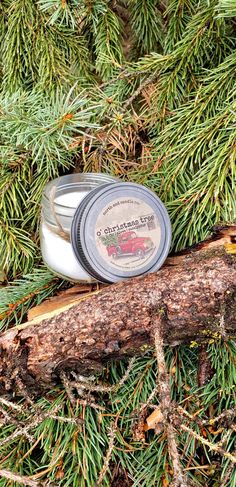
{"type": "Point", "coordinates": [57, 252]}
{"type": "Point", "coordinates": [60, 200]}
{"type": "Point", "coordinates": [95, 228]}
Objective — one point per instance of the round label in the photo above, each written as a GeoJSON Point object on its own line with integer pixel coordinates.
{"type": "Point", "coordinates": [127, 233]}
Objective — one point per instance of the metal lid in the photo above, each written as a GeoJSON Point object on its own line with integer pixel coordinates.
{"type": "Point", "coordinates": [120, 230]}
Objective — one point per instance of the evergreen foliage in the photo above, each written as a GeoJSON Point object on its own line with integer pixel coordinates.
{"type": "Point", "coordinates": [72, 454]}
{"type": "Point", "coordinates": [24, 293]}
{"type": "Point", "coordinates": [144, 90]}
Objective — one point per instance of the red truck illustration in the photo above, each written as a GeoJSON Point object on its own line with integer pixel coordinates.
{"type": "Point", "coordinates": [128, 243]}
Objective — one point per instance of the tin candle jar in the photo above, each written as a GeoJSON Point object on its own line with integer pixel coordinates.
{"type": "Point", "coordinates": [97, 228]}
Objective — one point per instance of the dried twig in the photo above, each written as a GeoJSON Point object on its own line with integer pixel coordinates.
{"type": "Point", "coordinates": [68, 388]}
{"type": "Point", "coordinates": [223, 331]}
{"type": "Point", "coordinates": [225, 437]}
{"type": "Point", "coordinates": [228, 474]}
{"type": "Point", "coordinates": [89, 386]}
{"type": "Point", "coordinates": [83, 384]}
{"type": "Point", "coordinates": [33, 423]}
{"type": "Point", "coordinates": [150, 398]}
{"type": "Point", "coordinates": [12, 421]}
{"type": "Point", "coordinates": [125, 376]}
{"type": "Point", "coordinates": [112, 436]}
{"type": "Point", "coordinates": [12, 405]}
{"type": "Point", "coordinates": [165, 402]}
{"type": "Point", "coordinates": [19, 479]}
{"type": "Point", "coordinates": [93, 405]}
{"type": "Point", "coordinates": [211, 446]}
{"type": "Point", "coordinates": [88, 401]}
{"type": "Point", "coordinates": [67, 420]}
{"type": "Point", "coordinates": [228, 414]}
{"type": "Point", "coordinates": [137, 92]}
{"type": "Point", "coordinates": [24, 391]}
{"type": "Point", "coordinates": [7, 419]}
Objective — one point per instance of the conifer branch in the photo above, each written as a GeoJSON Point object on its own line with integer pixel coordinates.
{"type": "Point", "coordinates": [166, 120]}
{"type": "Point", "coordinates": [226, 8]}
{"type": "Point", "coordinates": [16, 299]}
{"type": "Point", "coordinates": [147, 25]}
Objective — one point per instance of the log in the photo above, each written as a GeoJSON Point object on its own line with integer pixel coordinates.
{"type": "Point", "coordinates": [195, 291]}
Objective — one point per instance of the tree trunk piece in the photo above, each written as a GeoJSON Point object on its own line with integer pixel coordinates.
{"type": "Point", "coordinates": [195, 290]}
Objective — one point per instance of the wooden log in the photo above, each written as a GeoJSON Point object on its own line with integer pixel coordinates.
{"type": "Point", "coordinates": [195, 291]}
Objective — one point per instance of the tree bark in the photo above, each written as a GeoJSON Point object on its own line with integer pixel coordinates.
{"type": "Point", "coordinates": [195, 291]}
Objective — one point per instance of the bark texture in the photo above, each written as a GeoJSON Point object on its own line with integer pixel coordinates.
{"type": "Point", "coordinates": [195, 292]}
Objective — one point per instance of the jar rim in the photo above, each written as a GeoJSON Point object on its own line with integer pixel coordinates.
{"type": "Point", "coordinates": [75, 180]}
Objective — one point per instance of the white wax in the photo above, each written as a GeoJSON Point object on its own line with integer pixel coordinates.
{"type": "Point", "coordinates": [57, 252]}
{"type": "Point", "coordinates": [58, 255]}
{"type": "Point", "coordinates": [71, 200]}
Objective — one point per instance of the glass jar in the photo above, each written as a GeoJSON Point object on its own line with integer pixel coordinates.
{"type": "Point", "coordinates": [60, 200]}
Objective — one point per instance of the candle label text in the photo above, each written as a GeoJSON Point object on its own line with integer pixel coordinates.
{"type": "Point", "coordinates": [127, 233]}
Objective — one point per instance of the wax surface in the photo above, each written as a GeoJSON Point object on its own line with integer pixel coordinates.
{"type": "Point", "coordinates": [58, 255]}
{"type": "Point", "coordinates": [71, 200]}
{"type": "Point", "coordinates": [57, 252]}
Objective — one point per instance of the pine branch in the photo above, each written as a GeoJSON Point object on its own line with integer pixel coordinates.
{"type": "Point", "coordinates": [18, 249]}
{"type": "Point", "coordinates": [177, 16]}
{"type": "Point", "coordinates": [145, 463]}
{"type": "Point", "coordinates": [179, 71]}
{"type": "Point", "coordinates": [226, 8]}
{"type": "Point", "coordinates": [63, 12]}
{"type": "Point", "coordinates": [15, 181]}
{"type": "Point", "coordinates": [43, 127]}
{"type": "Point", "coordinates": [166, 120]}
{"type": "Point", "coordinates": [107, 42]}
{"type": "Point", "coordinates": [37, 52]}
{"type": "Point", "coordinates": [196, 146]}
{"type": "Point", "coordinates": [147, 26]}
{"type": "Point", "coordinates": [17, 298]}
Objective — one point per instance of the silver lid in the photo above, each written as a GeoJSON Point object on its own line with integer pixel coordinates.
{"type": "Point", "coordinates": [119, 231]}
